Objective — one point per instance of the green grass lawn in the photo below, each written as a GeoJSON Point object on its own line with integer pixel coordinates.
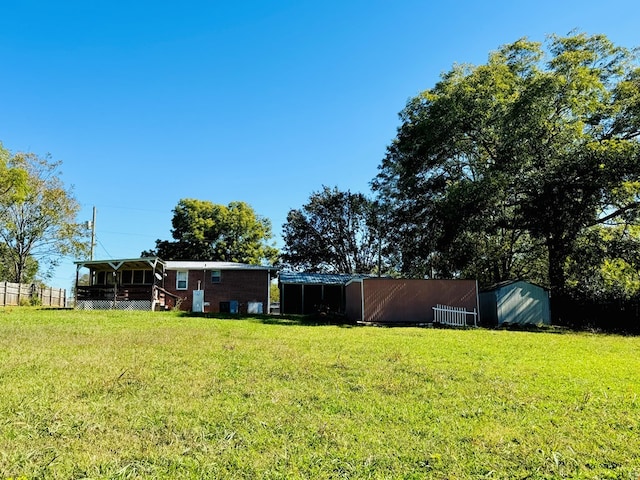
{"type": "Point", "coordinates": [158, 395]}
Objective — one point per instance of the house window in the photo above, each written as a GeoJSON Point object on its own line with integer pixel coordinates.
{"type": "Point", "coordinates": [104, 278]}
{"type": "Point", "coordinates": [215, 276]}
{"type": "Point", "coordinates": [181, 280]}
{"type": "Point", "coordinates": [127, 277]}
{"type": "Point", "coordinates": [138, 276]}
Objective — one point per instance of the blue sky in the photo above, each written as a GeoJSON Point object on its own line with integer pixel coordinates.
{"type": "Point", "coordinates": [148, 102]}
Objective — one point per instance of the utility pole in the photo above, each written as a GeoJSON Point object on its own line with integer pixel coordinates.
{"type": "Point", "coordinates": [93, 233]}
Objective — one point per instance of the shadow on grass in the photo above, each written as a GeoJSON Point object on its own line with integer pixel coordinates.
{"type": "Point", "coordinates": [532, 328]}
{"type": "Point", "coordinates": [564, 329]}
{"type": "Point", "coordinates": [315, 320]}
{"type": "Point", "coordinates": [323, 319]}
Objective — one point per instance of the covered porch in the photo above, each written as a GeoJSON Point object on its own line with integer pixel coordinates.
{"type": "Point", "coordinates": [127, 284]}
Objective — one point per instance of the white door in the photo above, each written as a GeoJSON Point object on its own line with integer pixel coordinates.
{"type": "Point", "coordinates": [198, 301]}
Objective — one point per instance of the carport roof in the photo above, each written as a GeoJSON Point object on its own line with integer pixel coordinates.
{"type": "Point", "coordinates": [318, 278]}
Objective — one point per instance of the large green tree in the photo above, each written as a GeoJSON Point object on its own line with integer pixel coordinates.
{"type": "Point", "coordinates": [335, 231]}
{"type": "Point", "coordinates": [501, 167]}
{"type": "Point", "coordinates": [203, 230]}
{"type": "Point", "coordinates": [12, 179]}
{"type": "Point", "coordinates": [38, 221]}
{"type": "Point", "coordinates": [12, 189]}
{"type": "Point", "coordinates": [604, 265]}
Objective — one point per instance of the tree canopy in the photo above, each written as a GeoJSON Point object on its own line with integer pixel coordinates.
{"type": "Point", "coordinates": [12, 178]}
{"type": "Point", "coordinates": [203, 230]}
{"type": "Point", "coordinates": [37, 218]}
{"type": "Point", "coordinates": [501, 168]}
{"type": "Point", "coordinates": [335, 232]}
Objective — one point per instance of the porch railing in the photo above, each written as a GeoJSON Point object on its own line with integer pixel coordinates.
{"type": "Point", "coordinates": [126, 292]}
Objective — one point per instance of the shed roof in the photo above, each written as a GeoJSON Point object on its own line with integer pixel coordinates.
{"type": "Point", "coordinates": [506, 283]}
{"type": "Point", "coordinates": [318, 278]}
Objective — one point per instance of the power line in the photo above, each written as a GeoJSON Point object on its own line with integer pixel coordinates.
{"type": "Point", "coordinates": [118, 207]}
{"type": "Point", "coordinates": [130, 234]}
{"type": "Point", "coordinates": [103, 247]}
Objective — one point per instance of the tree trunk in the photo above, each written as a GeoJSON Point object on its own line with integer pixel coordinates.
{"type": "Point", "coordinates": [557, 281]}
{"type": "Point", "coordinates": [17, 266]}
{"type": "Point", "coordinates": [557, 259]}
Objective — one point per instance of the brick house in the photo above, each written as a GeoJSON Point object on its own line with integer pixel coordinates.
{"type": "Point", "coordinates": [151, 283]}
{"type": "Point", "coordinates": [219, 287]}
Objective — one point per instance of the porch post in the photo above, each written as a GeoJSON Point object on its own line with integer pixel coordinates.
{"type": "Point", "coordinates": [153, 287]}
{"type": "Point", "coordinates": [268, 305]}
{"type": "Point", "coordinates": [75, 290]}
{"type": "Point", "coordinates": [115, 289]}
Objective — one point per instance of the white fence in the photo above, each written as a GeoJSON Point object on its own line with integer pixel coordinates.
{"type": "Point", "coordinates": [453, 316]}
{"type": "Point", "coordinates": [15, 294]}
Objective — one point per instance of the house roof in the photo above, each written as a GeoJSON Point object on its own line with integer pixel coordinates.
{"type": "Point", "coordinates": [318, 278]}
{"type": "Point", "coordinates": [208, 265]}
{"type": "Point", "coordinates": [151, 262]}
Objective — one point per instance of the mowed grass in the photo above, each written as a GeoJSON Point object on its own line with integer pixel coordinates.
{"type": "Point", "coordinates": [159, 395]}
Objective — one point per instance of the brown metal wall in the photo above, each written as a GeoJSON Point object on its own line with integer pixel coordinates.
{"type": "Point", "coordinates": [353, 307]}
{"type": "Point", "coordinates": [411, 300]}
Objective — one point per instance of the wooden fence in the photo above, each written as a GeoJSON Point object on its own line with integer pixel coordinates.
{"type": "Point", "coordinates": [15, 294]}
